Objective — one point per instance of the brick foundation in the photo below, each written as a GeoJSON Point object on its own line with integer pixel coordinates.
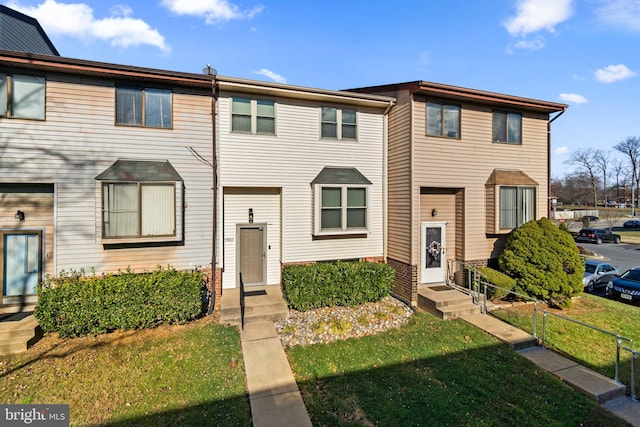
{"type": "Point", "coordinates": [405, 284]}
{"type": "Point", "coordinates": [217, 287]}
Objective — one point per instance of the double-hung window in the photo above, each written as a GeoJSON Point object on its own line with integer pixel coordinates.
{"type": "Point", "coordinates": [22, 97]}
{"type": "Point", "coordinates": [443, 120]}
{"type": "Point", "coordinates": [517, 206]}
{"type": "Point", "coordinates": [341, 199]}
{"type": "Point", "coordinates": [339, 123]}
{"type": "Point", "coordinates": [257, 116]}
{"type": "Point", "coordinates": [344, 208]}
{"type": "Point", "coordinates": [507, 127]}
{"type": "Point", "coordinates": [144, 107]}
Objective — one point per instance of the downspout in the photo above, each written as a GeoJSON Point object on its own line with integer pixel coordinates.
{"type": "Point", "coordinates": [385, 180]}
{"type": "Point", "coordinates": [549, 162]}
{"type": "Point", "coordinates": [214, 99]}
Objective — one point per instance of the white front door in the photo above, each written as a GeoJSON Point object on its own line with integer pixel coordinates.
{"type": "Point", "coordinates": [21, 262]}
{"type": "Point", "coordinates": [433, 260]}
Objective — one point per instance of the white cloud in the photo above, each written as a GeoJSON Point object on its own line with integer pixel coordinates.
{"type": "Point", "coordinates": [573, 98]}
{"type": "Point", "coordinates": [211, 10]}
{"type": "Point", "coordinates": [77, 20]}
{"type": "Point", "coordinates": [271, 75]}
{"type": "Point", "coordinates": [534, 44]}
{"type": "Point", "coordinates": [536, 15]}
{"type": "Point", "coordinates": [561, 150]}
{"type": "Point", "coordinates": [619, 13]}
{"type": "Point", "coordinates": [613, 73]}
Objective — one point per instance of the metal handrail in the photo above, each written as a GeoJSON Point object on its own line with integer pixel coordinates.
{"type": "Point", "coordinates": [619, 338]}
{"type": "Point", "coordinates": [241, 303]}
{"type": "Point", "coordinates": [634, 356]}
{"type": "Point", "coordinates": [535, 303]}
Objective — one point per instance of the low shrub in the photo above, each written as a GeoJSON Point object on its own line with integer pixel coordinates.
{"type": "Point", "coordinates": [326, 284]}
{"type": "Point", "coordinates": [503, 283]}
{"type": "Point", "coordinates": [75, 305]}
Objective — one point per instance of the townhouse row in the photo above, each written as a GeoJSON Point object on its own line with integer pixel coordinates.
{"type": "Point", "coordinates": [105, 166]}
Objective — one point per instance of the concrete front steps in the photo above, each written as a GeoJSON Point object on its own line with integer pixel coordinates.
{"type": "Point", "coordinates": [445, 302]}
{"type": "Point", "coordinates": [262, 304]}
{"type": "Point", "coordinates": [18, 331]}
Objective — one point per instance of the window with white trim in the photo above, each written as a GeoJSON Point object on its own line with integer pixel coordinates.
{"type": "Point", "coordinates": [507, 127]}
{"type": "Point", "coordinates": [138, 209]}
{"type": "Point", "coordinates": [443, 120]}
{"type": "Point", "coordinates": [22, 97]}
{"type": "Point", "coordinates": [339, 123]}
{"type": "Point", "coordinates": [517, 206]}
{"type": "Point", "coordinates": [342, 208]}
{"type": "Point", "coordinates": [257, 116]}
{"type": "Point", "coordinates": [144, 107]}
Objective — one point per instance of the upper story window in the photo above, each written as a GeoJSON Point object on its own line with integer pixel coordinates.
{"type": "Point", "coordinates": [256, 116]}
{"type": "Point", "coordinates": [144, 107]}
{"type": "Point", "coordinates": [339, 123]}
{"type": "Point", "coordinates": [22, 97]}
{"type": "Point", "coordinates": [507, 127]}
{"type": "Point", "coordinates": [443, 120]}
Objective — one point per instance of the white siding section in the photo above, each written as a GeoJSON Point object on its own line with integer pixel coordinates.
{"type": "Point", "coordinates": [78, 140]}
{"type": "Point", "coordinates": [291, 160]}
{"type": "Point", "coordinates": [266, 210]}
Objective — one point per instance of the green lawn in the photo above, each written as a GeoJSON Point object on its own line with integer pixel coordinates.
{"type": "Point", "coordinates": [586, 346]}
{"type": "Point", "coordinates": [168, 376]}
{"type": "Point", "coordinates": [436, 373]}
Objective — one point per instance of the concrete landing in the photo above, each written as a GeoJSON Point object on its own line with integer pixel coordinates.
{"type": "Point", "coordinates": [515, 338]}
{"type": "Point", "coordinates": [273, 392]}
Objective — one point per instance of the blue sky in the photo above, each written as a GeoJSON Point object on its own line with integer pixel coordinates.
{"type": "Point", "coordinates": [580, 52]}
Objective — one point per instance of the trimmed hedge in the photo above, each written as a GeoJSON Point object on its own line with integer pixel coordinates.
{"type": "Point", "coordinates": [335, 284]}
{"type": "Point", "coordinates": [75, 305]}
{"type": "Point", "coordinates": [503, 282]}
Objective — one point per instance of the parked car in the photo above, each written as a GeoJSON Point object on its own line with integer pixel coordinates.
{"type": "Point", "coordinates": [591, 218]}
{"type": "Point", "coordinates": [597, 235]}
{"type": "Point", "coordinates": [634, 223]}
{"type": "Point", "coordinates": [627, 286]}
{"type": "Point", "coordinates": [598, 274]}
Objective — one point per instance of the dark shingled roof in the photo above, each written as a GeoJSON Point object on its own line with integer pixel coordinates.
{"type": "Point", "coordinates": [22, 33]}
{"type": "Point", "coordinates": [335, 175]}
{"type": "Point", "coordinates": [140, 170]}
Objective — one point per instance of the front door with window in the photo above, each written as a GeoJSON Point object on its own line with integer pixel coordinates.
{"type": "Point", "coordinates": [433, 260]}
{"type": "Point", "coordinates": [252, 255]}
{"type": "Point", "coordinates": [21, 262]}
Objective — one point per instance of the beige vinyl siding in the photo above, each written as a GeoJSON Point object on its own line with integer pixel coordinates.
{"type": "Point", "coordinates": [78, 140]}
{"type": "Point", "coordinates": [399, 180]}
{"type": "Point", "coordinates": [467, 163]}
{"type": "Point", "coordinates": [38, 209]}
{"type": "Point", "coordinates": [265, 203]}
{"type": "Point", "coordinates": [292, 159]}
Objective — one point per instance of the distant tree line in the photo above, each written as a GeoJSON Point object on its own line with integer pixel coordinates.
{"type": "Point", "coordinates": [601, 176]}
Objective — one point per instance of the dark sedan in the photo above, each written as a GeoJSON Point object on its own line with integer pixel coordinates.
{"type": "Point", "coordinates": [634, 223]}
{"type": "Point", "coordinates": [597, 235]}
{"type": "Point", "coordinates": [627, 286]}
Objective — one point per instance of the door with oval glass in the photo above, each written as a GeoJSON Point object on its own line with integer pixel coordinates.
{"type": "Point", "coordinates": [433, 249]}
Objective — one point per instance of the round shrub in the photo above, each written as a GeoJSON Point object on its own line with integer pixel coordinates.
{"type": "Point", "coordinates": [544, 261]}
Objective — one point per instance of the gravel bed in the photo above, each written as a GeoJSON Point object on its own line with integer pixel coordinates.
{"type": "Point", "coordinates": [324, 325]}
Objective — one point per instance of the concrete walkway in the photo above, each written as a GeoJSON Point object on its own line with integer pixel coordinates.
{"type": "Point", "coordinates": [599, 388]}
{"type": "Point", "coordinates": [273, 392]}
